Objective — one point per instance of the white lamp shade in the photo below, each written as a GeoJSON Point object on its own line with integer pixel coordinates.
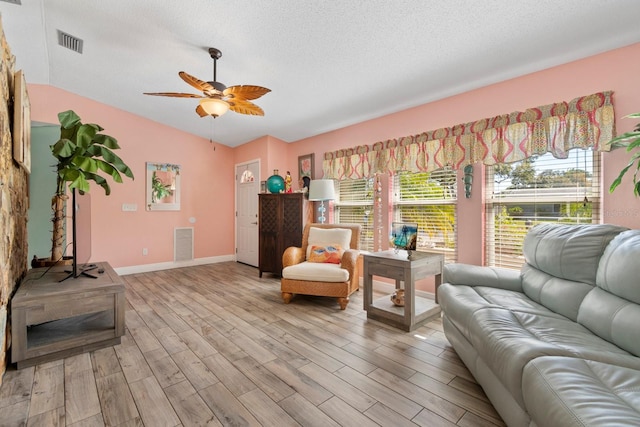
{"type": "Point", "coordinates": [321, 189]}
{"type": "Point", "coordinates": [214, 107]}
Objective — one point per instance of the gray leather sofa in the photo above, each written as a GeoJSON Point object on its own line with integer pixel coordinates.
{"type": "Point", "coordinates": [557, 343]}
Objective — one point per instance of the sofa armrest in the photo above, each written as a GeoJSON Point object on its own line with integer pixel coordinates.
{"type": "Point", "coordinates": [474, 275]}
{"type": "Point", "coordinates": [292, 256]}
{"type": "Point", "coordinates": [349, 259]}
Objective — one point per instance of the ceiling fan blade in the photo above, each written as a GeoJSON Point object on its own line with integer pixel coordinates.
{"type": "Point", "coordinates": [245, 91]}
{"type": "Point", "coordinates": [175, 94]}
{"type": "Point", "coordinates": [245, 107]}
{"type": "Point", "coordinates": [201, 111]}
{"type": "Point", "coordinates": [195, 82]}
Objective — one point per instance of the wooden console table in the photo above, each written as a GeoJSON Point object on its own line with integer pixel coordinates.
{"type": "Point", "coordinates": [397, 266]}
{"type": "Point", "coordinates": [52, 319]}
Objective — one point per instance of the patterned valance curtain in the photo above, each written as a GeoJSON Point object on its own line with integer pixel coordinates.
{"type": "Point", "coordinates": [585, 122]}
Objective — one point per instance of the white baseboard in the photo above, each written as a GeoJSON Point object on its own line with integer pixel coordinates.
{"type": "Point", "coordinates": [145, 268]}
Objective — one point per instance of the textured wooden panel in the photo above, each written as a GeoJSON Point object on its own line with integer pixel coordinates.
{"type": "Point", "coordinates": [14, 201]}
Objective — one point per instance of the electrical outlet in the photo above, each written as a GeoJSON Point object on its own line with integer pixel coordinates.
{"type": "Point", "coordinates": [145, 251]}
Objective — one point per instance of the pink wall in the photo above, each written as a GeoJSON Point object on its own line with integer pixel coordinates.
{"type": "Point", "coordinates": [277, 156]}
{"type": "Point", "coordinates": [143, 140]}
{"type": "Point", "coordinates": [270, 150]}
{"type": "Point", "coordinates": [206, 191]}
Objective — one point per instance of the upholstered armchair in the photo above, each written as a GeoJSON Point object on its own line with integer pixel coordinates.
{"type": "Point", "coordinates": [325, 265]}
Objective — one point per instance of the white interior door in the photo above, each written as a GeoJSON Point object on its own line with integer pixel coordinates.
{"type": "Point", "coordinates": [247, 189]}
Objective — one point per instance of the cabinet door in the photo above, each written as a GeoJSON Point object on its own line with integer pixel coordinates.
{"type": "Point", "coordinates": [292, 224]}
{"type": "Point", "coordinates": [269, 219]}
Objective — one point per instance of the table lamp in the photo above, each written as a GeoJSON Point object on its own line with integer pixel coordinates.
{"type": "Point", "coordinates": [319, 191]}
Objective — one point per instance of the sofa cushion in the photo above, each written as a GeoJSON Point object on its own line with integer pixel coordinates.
{"type": "Point", "coordinates": [570, 252]}
{"type": "Point", "coordinates": [561, 391]}
{"type": "Point", "coordinates": [613, 318]}
{"type": "Point", "coordinates": [316, 272]}
{"type": "Point", "coordinates": [562, 263]}
{"type": "Point", "coordinates": [461, 302]}
{"type": "Point", "coordinates": [612, 310]}
{"type": "Point", "coordinates": [509, 339]}
{"type": "Point", "coordinates": [558, 295]}
{"type": "Point", "coordinates": [328, 236]}
{"type": "Point", "coordinates": [619, 269]}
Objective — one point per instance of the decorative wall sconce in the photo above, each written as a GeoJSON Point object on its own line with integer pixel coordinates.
{"type": "Point", "coordinates": [468, 180]}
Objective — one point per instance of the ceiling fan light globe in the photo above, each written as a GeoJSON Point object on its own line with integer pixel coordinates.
{"type": "Point", "coordinates": [214, 107]}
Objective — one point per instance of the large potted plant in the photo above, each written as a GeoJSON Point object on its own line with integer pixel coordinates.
{"type": "Point", "coordinates": [630, 140]}
{"type": "Point", "coordinates": [83, 154]}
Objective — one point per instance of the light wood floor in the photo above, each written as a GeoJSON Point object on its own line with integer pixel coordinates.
{"type": "Point", "coordinates": [215, 345]}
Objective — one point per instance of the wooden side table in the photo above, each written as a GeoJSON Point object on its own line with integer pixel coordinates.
{"type": "Point", "coordinates": [397, 266]}
{"type": "Point", "coordinates": [52, 319]}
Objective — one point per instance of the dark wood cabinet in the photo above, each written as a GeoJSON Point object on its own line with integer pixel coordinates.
{"type": "Point", "coordinates": [282, 218]}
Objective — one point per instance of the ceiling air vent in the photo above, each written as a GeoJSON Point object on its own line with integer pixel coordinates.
{"type": "Point", "coordinates": [13, 1]}
{"type": "Point", "coordinates": [69, 41]}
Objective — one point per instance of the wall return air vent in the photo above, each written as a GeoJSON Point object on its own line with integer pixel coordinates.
{"type": "Point", "coordinates": [69, 41]}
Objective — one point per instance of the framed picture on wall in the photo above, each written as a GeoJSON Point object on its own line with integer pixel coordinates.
{"type": "Point", "coordinates": [21, 122]}
{"type": "Point", "coordinates": [305, 166]}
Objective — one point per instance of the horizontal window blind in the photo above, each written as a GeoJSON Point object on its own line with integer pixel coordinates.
{"type": "Point", "coordinates": [354, 204]}
{"type": "Point", "coordinates": [430, 200]}
{"type": "Point", "coordinates": [539, 189]}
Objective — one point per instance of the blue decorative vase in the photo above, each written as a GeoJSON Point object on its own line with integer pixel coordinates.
{"type": "Point", "coordinates": [275, 183]}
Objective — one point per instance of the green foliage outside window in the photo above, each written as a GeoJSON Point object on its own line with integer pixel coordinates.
{"type": "Point", "coordinates": [435, 218]}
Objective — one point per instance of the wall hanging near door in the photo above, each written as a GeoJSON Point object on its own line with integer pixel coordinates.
{"type": "Point", "coordinates": [163, 187]}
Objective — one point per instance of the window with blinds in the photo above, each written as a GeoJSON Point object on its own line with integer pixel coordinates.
{"type": "Point", "coordinates": [535, 190]}
{"type": "Point", "coordinates": [354, 204]}
{"type": "Point", "coordinates": [429, 199]}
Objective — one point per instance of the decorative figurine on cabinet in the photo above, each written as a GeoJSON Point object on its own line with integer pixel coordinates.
{"type": "Point", "coordinates": [287, 183]}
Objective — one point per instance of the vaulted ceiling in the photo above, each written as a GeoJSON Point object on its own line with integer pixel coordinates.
{"type": "Point", "coordinates": [329, 64]}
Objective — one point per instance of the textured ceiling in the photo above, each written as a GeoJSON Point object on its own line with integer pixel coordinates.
{"type": "Point", "coordinates": [329, 64]}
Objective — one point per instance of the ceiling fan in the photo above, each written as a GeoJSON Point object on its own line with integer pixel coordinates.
{"type": "Point", "coordinates": [217, 98]}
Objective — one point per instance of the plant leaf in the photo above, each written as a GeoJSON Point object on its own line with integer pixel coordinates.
{"type": "Point", "coordinates": [87, 164]}
{"type": "Point", "coordinates": [63, 148]}
{"type": "Point", "coordinates": [80, 183]}
{"type": "Point", "coordinates": [68, 119]}
{"type": "Point", "coordinates": [624, 137]}
{"type": "Point", "coordinates": [106, 167]}
{"type": "Point", "coordinates": [85, 135]}
{"type": "Point", "coordinates": [100, 181]}
{"type": "Point", "coordinates": [107, 141]}
{"type": "Point", "coordinates": [110, 157]}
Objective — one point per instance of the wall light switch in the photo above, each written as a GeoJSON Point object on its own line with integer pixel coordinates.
{"type": "Point", "coordinates": [129, 207]}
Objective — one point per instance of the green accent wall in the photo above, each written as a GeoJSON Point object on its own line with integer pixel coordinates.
{"type": "Point", "coordinates": [42, 186]}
